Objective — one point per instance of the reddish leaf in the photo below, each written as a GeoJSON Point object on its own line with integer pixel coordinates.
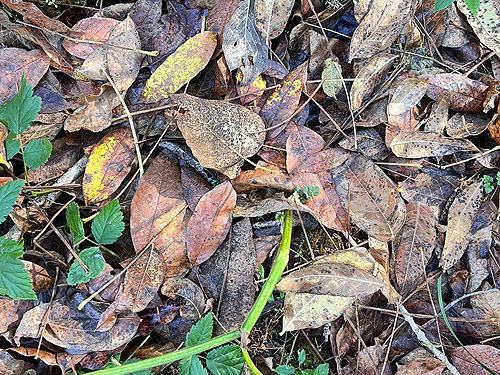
{"type": "Point", "coordinates": [488, 355]}
{"type": "Point", "coordinates": [32, 13]}
{"type": "Point", "coordinates": [210, 223]}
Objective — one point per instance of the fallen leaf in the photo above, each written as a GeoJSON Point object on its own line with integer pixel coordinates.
{"type": "Point", "coordinates": [11, 312]}
{"type": "Point", "coordinates": [422, 366]}
{"type": "Point", "coordinates": [32, 13]}
{"type": "Point", "coordinates": [383, 23]}
{"type": "Point", "coordinates": [370, 197]}
{"type": "Point", "coordinates": [210, 223]}
{"type": "Point", "coordinates": [462, 125]}
{"type": "Point", "coordinates": [414, 246]}
{"type": "Point", "coordinates": [190, 294]}
{"type": "Point", "coordinates": [260, 177]}
{"type": "Point", "coordinates": [416, 145]}
{"type": "Point", "coordinates": [271, 17]}
{"type": "Point", "coordinates": [461, 216]}
{"type": "Point", "coordinates": [369, 78]}
{"type": "Point", "coordinates": [438, 118]}
{"type": "Point", "coordinates": [486, 307]}
{"type": "Point", "coordinates": [333, 72]}
{"type": "Point", "coordinates": [109, 163]}
{"type": "Point", "coordinates": [486, 354]}
{"type": "Point", "coordinates": [369, 143]}
{"type": "Point", "coordinates": [243, 46]}
{"type": "Point", "coordinates": [221, 135]}
{"type": "Point", "coordinates": [181, 66]}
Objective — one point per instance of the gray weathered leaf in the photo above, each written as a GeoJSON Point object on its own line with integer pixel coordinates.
{"type": "Point", "coordinates": [243, 46]}
{"type": "Point", "coordinates": [416, 145]}
{"type": "Point", "coordinates": [272, 16]}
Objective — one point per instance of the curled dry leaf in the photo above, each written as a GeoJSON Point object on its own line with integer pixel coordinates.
{"type": "Point", "coordinates": [243, 46]}
{"type": "Point", "coordinates": [383, 23]}
{"type": "Point", "coordinates": [157, 212]}
{"type": "Point", "coordinates": [181, 66]}
{"type": "Point", "coordinates": [221, 135]}
{"type": "Point", "coordinates": [413, 247]}
{"type": "Point", "coordinates": [461, 216]}
{"type": "Point", "coordinates": [416, 145]}
{"type": "Point", "coordinates": [210, 223]}
{"type": "Point", "coordinates": [464, 94]}
{"type": "Point", "coordinates": [369, 78]}
{"type": "Point", "coordinates": [370, 197]}
{"type": "Point", "coordinates": [109, 163]}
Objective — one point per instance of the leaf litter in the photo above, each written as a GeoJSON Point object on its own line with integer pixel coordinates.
{"type": "Point", "coordinates": [377, 129]}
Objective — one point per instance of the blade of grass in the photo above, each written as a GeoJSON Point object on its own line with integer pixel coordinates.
{"type": "Point", "coordinates": [445, 318]}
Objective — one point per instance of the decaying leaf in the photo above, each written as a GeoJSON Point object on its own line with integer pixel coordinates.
{"type": "Point", "coordinates": [210, 223]}
{"type": "Point", "coordinates": [181, 66]}
{"type": "Point", "coordinates": [271, 17]}
{"type": "Point", "coordinates": [243, 45]}
{"type": "Point", "coordinates": [461, 216]}
{"type": "Point", "coordinates": [416, 145]}
{"type": "Point", "coordinates": [413, 247]}
{"type": "Point", "coordinates": [366, 192]}
{"type": "Point", "coordinates": [220, 134]}
{"type": "Point", "coordinates": [486, 354]}
{"type": "Point", "coordinates": [108, 165]}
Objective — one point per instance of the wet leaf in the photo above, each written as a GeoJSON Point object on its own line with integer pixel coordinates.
{"type": "Point", "coordinates": [383, 23]}
{"type": "Point", "coordinates": [369, 78]}
{"type": "Point", "coordinates": [461, 216]}
{"type": "Point", "coordinates": [414, 246]}
{"type": "Point", "coordinates": [220, 134]}
{"type": "Point", "coordinates": [243, 45]}
{"type": "Point", "coordinates": [416, 145]}
{"type": "Point", "coordinates": [175, 72]}
{"type": "Point", "coordinates": [109, 164]}
{"type": "Point", "coordinates": [210, 223]}
{"type": "Point", "coordinates": [371, 198]}
{"type": "Point", "coordinates": [271, 17]}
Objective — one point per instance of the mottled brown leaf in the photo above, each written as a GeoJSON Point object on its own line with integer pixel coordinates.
{"type": "Point", "coordinates": [271, 17]}
{"type": "Point", "coordinates": [462, 125]}
{"type": "Point", "coordinates": [220, 134]}
{"type": "Point", "coordinates": [486, 354]}
{"type": "Point", "coordinates": [369, 143]}
{"type": "Point", "coordinates": [210, 222]}
{"type": "Point", "coordinates": [32, 13]}
{"type": "Point", "coordinates": [415, 145]}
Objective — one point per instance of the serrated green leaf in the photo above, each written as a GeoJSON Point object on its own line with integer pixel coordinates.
{"type": "Point", "coordinates": [473, 5]}
{"type": "Point", "coordinates": [37, 152]}
{"type": "Point", "coordinates": [19, 112]}
{"type": "Point", "coordinates": [201, 332]}
{"type": "Point", "coordinates": [108, 226]}
{"type": "Point", "coordinates": [12, 145]}
{"type": "Point", "coordinates": [75, 223]}
{"type": "Point", "coordinates": [8, 196]}
{"type": "Point", "coordinates": [192, 366]}
{"type": "Point", "coordinates": [321, 369]}
{"type": "Point", "coordinates": [285, 370]}
{"type": "Point", "coordinates": [93, 259]}
{"type": "Point", "coordinates": [441, 4]}
{"type": "Point", "coordinates": [185, 365]}
{"type": "Point", "coordinates": [225, 360]}
{"type": "Point", "coordinates": [14, 278]}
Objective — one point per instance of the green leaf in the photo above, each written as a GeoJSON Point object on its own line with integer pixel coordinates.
{"type": "Point", "coordinates": [108, 226]}
{"type": "Point", "coordinates": [93, 259]}
{"type": "Point", "coordinates": [75, 223]}
{"type": "Point", "coordinates": [201, 332]}
{"type": "Point", "coordinates": [8, 196]}
{"type": "Point", "coordinates": [302, 356]}
{"type": "Point", "coordinates": [14, 278]}
{"type": "Point", "coordinates": [321, 369]}
{"type": "Point", "coordinates": [12, 145]}
{"type": "Point", "coordinates": [285, 370]}
{"type": "Point", "coordinates": [441, 4]}
{"type": "Point", "coordinates": [473, 5]}
{"type": "Point", "coordinates": [37, 152]}
{"type": "Point", "coordinates": [225, 360]}
{"type": "Point", "coordinates": [191, 366]}
{"type": "Point", "coordinates": [19, 112]}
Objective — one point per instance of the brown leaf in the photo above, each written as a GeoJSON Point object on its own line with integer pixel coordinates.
{"type": "Point", "coordinates": [109, 163]}
{"type": "Point", "coordinates": [438, 118]}
{"type": "Point", "coordinates": [284, 101]}
{"type": "Point", "coordinates": [15, 61]}
{"type": "Point", "coordinates": [486, 354]}
{"type": "Point", "coordinates": [194, 186]}
{"type": "Point", "coordinates": [210, 222]}
{"type": "Point", "coordinates": [190, 295]}
{"type": "Point", "coordinates": [301, 143]}
{"type": "Point", "coordinates": [220, 134]}
{"type": "Point", "coordinates": [271, 17]}
{"type": "Point", "coordinates": [11, 312]}
{"type": "Point", "coordinates": [369, 143]}
{"type": "Point", "coordinates": [422, 366]}
{"type": "Point", "coordinates": [369, 78]}
{"type": "Point", "coordinates": [465, 94]}
{"type": "Point", "coordinates": [94, 29]}
{"type": "Point", "coordinates": [32, 13]}
{"type": "Point", "coordinates": [486, 308]}
{"type": "Point", "coordinates": [256, 178]}
{"type": "Point", "coordinates": [461, 216]}
{"type": "Point", "coordinates": [383, 23]}
{"type": "Point", "coordinates": [462, 125]}
{"type": "Point", "coordinates": [157, 212]}
{"type": "Point", "coordinates": [415, 145]}
{"type": "Point", "coordinates": [370, 197]}
{"type": "Point", "coordinates": [414, 246]}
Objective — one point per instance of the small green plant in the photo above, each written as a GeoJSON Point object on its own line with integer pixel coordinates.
{"type": "Point", "coordinates": [490, 183]}
{"type": "Point", "coordinates": [224, 360]}
{"type": "Point", "coordinates": [289, 370]}
{"type": "Point", "coordinates": [473, 5]}
{"type": "Point", "coordinates": [307, 193]}
{"type": "Point", "coordinates": [106, 228]}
